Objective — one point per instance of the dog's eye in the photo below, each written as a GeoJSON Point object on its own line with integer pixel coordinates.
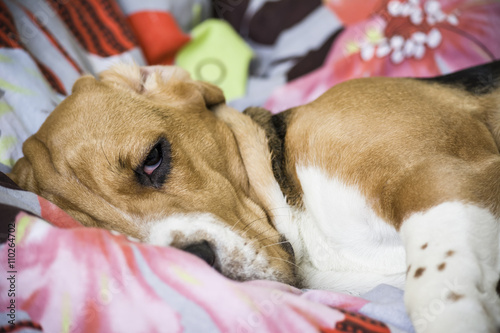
{"type": "Point", "coordinates": [153, 160]}
{"type": "Point", "coordinates": [155, 167]}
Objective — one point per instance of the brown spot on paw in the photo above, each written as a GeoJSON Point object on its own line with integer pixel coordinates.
{"type": "Point", "coordinates": [423, 247]}
{"type": "Point", "coordinates": [419, 272]}
{"type": "Point", "coordinates": [450, 253]}
{"type": "Point", "coordinates": [442, 266]}
{"type": "Point", "coordinates": [408, 270]}
{"type": "Point", "coordinates": [454, 296]}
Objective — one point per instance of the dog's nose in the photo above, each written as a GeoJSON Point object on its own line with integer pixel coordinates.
{"type": "Point", "coordinates": [202, 250]}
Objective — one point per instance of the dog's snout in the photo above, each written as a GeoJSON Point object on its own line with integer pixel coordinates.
{"type": "Point", "coordinates": [202, 250]}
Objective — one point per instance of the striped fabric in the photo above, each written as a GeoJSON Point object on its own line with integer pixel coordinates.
{"type": "Point", "coordinates": [98, 25]}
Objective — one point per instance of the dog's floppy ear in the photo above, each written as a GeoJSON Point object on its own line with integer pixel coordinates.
{"type": "Point", "coordinates": [33, 170]}
{"type": "Point", "coordinates": [166, 83]}
{"type": "Point", "coordinates": [82, 83]}
{"type": "Point", "coordinates": [22, 175]}
{"type": "Point", "coordinates": [212, 94]}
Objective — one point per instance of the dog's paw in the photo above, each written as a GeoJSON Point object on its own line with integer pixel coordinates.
{"type": "Point", "coordinates": [459, 314]}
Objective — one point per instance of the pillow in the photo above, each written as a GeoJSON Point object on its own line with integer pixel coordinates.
{"type": "Point", "coordinates": [161, 26]}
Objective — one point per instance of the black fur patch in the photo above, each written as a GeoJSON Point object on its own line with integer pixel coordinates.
{"type": "Point", "coordinates": [478, 80]}
{"type": "Point", "coordinates": [275, 127]}
{"type": "Point", "coordinates": [287, 246]}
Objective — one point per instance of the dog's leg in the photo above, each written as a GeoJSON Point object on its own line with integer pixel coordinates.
{"type": "Point", "coordinates": [452, 255]}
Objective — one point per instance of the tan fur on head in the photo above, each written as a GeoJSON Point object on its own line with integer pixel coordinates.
{"type": "Point", "coordinates": [162, 83]}
{"type": "Point", "coordinates": [142, 79]}
{"type": "Point", "coordinates": [89, 155]}
{"type": "Point", "coordinates": [91, 142]}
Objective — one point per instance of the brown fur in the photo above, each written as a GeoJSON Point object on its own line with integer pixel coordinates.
{"type": "Point", "coordinates": [275, 130]}
{"type": "Point", "coordinates": [84, 156]}
{"type": "Point", "coordinates": [408, 144]}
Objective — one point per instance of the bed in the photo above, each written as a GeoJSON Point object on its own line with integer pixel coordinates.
{"type": "Point", "coordinates": [58, 276]}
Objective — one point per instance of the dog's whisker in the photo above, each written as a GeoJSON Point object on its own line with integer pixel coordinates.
{"type": "Point", "coordinates": [274, 244]}
{"type": "Point", "coordinates": [274, 215]}
{"type": "Point", "coordinates": [247, 227]}
{"type": "Point", "coordinates": [106, 156]}
{"type": "Point", "coordinates": [241, 219]}
{"type": "Point", "coordinates": [256, 239]}
{"type": "Point", "coordinates": [262, 232]}
{"type": "Point", "coordinates": [245, 230]}
{"type": "Point", "coordinates": [287, 261]}
{"type": "Point", "coordinates": [292, 243]}
{"type": "Point", "coordinates": [111, 168]}
{"type": "Point", "coordinates": [261, 239]}
{"type": "Point", "coordinates": [284, 207]}
{"type": "Point", "coordinates": [235, 224]}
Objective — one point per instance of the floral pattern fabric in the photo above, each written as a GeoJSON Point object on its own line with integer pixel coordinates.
{"type": "Point", "coordinates": [404, 38]}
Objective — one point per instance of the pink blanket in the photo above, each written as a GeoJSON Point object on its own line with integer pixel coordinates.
{"type": "Point", "coordinates": [91, 280]}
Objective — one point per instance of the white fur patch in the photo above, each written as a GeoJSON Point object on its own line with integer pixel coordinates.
{"type": "Point", "coordinates": [153, 76]}
{"type": "Point", "coordinates": [347, 247]}
{"type": "Point", "coordinates": [237, 256]}
{"type": "Point", "coordinates": [453, 250]}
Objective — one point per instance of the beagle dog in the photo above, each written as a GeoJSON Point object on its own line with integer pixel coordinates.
{"type": "Point", "coordinates": [379, 180]}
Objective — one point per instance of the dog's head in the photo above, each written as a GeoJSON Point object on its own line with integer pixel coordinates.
{"type": "Point", "coordinates": [139, 151]}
